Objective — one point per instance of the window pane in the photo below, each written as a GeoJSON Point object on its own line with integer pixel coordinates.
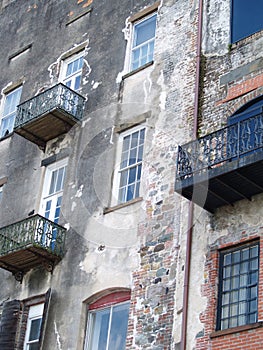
{"type": "Point", "coordinates": [137, 192]}
{"type": "Point", "coordinates": [244, 267]}
{"type": "Point", "coordinates": [240, 279]}
{"type": "Point", "coordinates": [133, 155]}
{"type": "Point", "coordinates": [123, 180]}
{"type": "Point", "coordinates": [227, 259]}
{"type": "Point", "coordinates": [132, 175]}
{"type": "Point", "coordinates": [35, 329]}
{"type": "Point", "coordinates": [225, 299]}
{"type": "Point", "coordinates": [134, 139]}
{"type": "Point", "coordinates": [236, 256]}
{"type": "Point", "coordinates": [7, 125]}
{"type": "Point", "coordinates": [124, 159]}
{"type": "Point", "coordinates": [12, 100]}
{"type": "Point", "coordinates": [131, 159]}
{"type": "Point", "coordinates": [34, 346]}
{"type": "Point", "coordinates": [145, 30]}
{"type": "Point", "coordinates": [77, 83]}
{"type": "Point", "coordinates": [130, 192]}
{"type": "Point", "coordinates": [254, 252]}
{"type": "Point", "coordinates": [246, 18]}
{"type": "Point", "coordinates": [47, 209]}
{"type": "Point", "coordinates": [227, 272]}
{"type": "Point", "coordinates": [139, 172]}
{"type": "Point", "coordinates": [118, 328]}
{"type": "Point", "coordinates": [53, 181]}
{"type": "Point", "coordinates": [245, 254]}
{"type": "Point", "coordinates": [100, 325]}
{"type": "Point", "coordinates": [60, 179]}
{"type": "Point", "coordinates": [122, 194]}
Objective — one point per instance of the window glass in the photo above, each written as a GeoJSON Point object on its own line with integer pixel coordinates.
{"type": "Point", "coordinates": [246, 18]}
{"type": "Point", "coordinates": [9, 111]}
{"type": "Point", "coordinates": [143, 42]}
{"type": "Point", "coordinates": [53, 190]}
{"type": "Point", "coordinates": [73, 71]}
{"type": "Point", "coordinates": [130, 165]}
{"type": "Point", "coordinates": [108, 328]}
{"type": "Point", "coordinates": [238, 287]}
{"type": "Point", "coordinates": [33, 329]}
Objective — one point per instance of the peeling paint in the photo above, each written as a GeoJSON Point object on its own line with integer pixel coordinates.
{"type": "Point", "coordinates": [147, 84]}
{"type": "Point", "coordinates": [59, 347]}
{"type": "Point", "coordinates": [96, 84]}
{"type": "Point", "coordinates": [160, 81]}
{"type": "Point", "coordinates": [79, 191]}
{"type": "Point", "coordinates": [127, 35]}
{"type": "Point", "coordinates": [73, 206]}
{"type": "Point", "coordinates": [54, 68]}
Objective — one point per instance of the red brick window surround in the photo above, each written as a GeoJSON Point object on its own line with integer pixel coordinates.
{"type": "Point", "coordinates": [248, 335]}
{"type": "Point", "coordinates": [238, 286]}
{"type": "Point", "coordinates": [107, 322]}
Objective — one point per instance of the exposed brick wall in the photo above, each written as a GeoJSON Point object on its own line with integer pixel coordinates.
{"type": "Point", "coordinates": [243, 88]}
{"type": "Point", "coordinates": [244, 337]}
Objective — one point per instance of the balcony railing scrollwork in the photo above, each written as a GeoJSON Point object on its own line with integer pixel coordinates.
{"type": "Point", "coordinates": [223, 167]}
{"type": "Point", "coordinates": [49, 114]}
{"type": "Point", "coordinates": [36, 236]}
{"type": "Point", "coordinates": [229, 143]}
{"type": "Point", "coordinates": [58, 96]}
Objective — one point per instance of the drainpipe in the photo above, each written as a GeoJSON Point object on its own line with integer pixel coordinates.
{"type": "Point", "coordinates": [191, 205]}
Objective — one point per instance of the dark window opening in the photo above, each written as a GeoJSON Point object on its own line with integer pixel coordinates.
{"type": "Point", "coordinates": [246, 18]}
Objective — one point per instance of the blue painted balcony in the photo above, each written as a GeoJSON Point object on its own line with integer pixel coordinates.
{"type": "Point", "coordinates": [223, 167]}
{"type": "Point", "coordinates": [29, 243]}
{"type": "Point", "coordinates": [49, 114]}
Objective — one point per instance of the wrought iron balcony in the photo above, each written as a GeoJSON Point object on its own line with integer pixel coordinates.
{"type": "Point", "coordinates": [49, 114]}
{"type": "Point", "coordinates": [29, 243]}
{"type": "Point", "coordinates": [222, 167]}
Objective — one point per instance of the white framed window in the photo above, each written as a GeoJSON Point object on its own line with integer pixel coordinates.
{"type": "Point", "coordinates": [53, 190]}
{"type": "Point", "coordinates": [33, 328]}
{"type": "Point", "coordinates": [128, 173]}
{"type": "Point", "coordinates": [143, 39]}
{"type": "Point", "coordinates": [107, 323]}
{"type": "Point", "coordinates": [11, 100]}
{"type": "Point", "coordinates": [72, 71]}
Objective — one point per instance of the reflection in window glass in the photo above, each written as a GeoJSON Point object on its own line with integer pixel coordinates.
{"type": "Point", "coordinates": [33, 327]}
{"type": "Point", "coordinates": [72, 76]}
{"type": "Point", "coordinates": [130, 166]}
{"type": "Point", "coordinates": [246, 18]}
{"type": "Point", "coordinates": [238, 295]}
{"type": "Point", "coordinates": [9, 114]}
{"type": "Point", "coordinates": [143, 42]}
{"type": "Point", "coordinates": [108, 328]}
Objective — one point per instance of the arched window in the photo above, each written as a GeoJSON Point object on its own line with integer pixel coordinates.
{"type": "Point", "coordinates": [250, 109]}
{"type": "Point", "coordinates": [107, 322]}
{"type": "Point", "coordinates": [245, 129]}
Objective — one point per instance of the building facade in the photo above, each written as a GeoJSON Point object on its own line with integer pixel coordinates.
{"type": "Point", "coordinates": [131, 139]}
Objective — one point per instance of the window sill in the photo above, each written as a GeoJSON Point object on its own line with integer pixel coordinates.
{"type": "Point", "coordinates": [122, 205]}
{"type": "Point", "coordinates": [137, 70]}
{"type": "Point", "coordinates": [236, 329]}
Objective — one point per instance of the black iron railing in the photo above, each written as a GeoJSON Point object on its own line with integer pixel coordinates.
{"type": "Point", "coordinates": [35, 230]}
{"type": "Point", "coordinates": [213, 150]}
{"type": "Point", "coordinates": [58, 96]}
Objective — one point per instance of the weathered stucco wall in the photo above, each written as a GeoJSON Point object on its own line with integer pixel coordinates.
{"type": "Point", "coordinates": [136, 246]}
{"type": "Point", "coordinates": [141, 246]}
